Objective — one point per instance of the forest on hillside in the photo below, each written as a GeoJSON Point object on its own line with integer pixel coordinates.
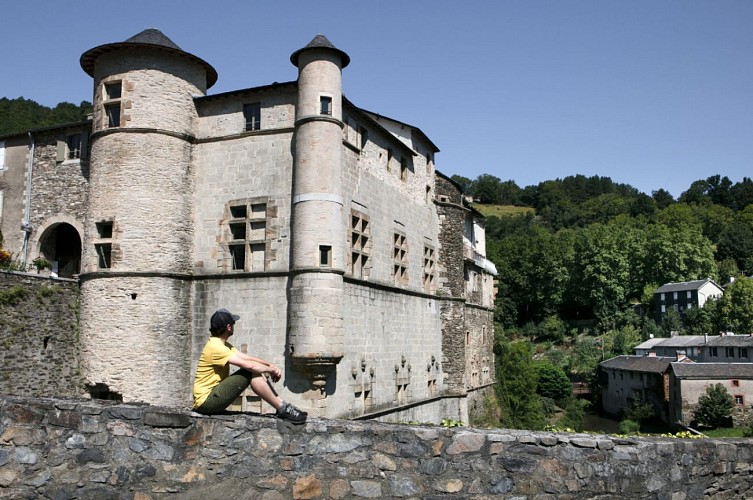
{"type": "Point", "coordinates": [19, 115]}
{"type": "Point", "coordinates": [578, 267]}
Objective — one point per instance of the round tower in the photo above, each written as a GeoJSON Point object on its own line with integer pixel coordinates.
{"type": "Point", "coordinates": [318, 223]}
{"type": "Point", "coordinates": [135, 298]}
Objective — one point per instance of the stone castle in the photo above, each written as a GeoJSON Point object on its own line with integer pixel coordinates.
{"type": "Point", "coordinates": [354, 264]}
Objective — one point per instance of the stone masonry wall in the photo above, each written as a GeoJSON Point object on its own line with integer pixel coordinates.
{"type": "Point", "coordinates": [66, 449]}
{"type": "Point", "coordinates": [39, 336]}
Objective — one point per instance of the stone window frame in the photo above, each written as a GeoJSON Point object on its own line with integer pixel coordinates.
{"type": "Point", "coordinates": [400, 259]}
{"type": "Point", "coordinates": [325, 105]}
{"type": "Point", "coordinates": [103, 243]}
{"type": "Point", "coordinates": [245, 234]}
{"type": "Point", "coordinates": [360, 243]}
{"type": "Point", "coordinates": [429, 271]}
{"type": "Point", "coordinates": [69, 151]}
{"type": "Point", "coordinates": [112, 100]}
{"type": "Point", "coordinates": [252, 110]}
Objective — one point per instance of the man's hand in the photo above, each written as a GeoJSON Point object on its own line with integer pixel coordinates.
{"type": "Point", "coordinates": [274, 373]}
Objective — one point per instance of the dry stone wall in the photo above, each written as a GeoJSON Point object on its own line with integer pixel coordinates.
{"type": "Point", "coordinates": [66, 449]}
{"type": "Point", "coordinates": [39, 336]}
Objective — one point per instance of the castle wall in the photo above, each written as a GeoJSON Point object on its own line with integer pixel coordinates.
{"type": "Point", "coordinates": [68, 448]}
{"type": "Point", "coordinates": [39, 336]}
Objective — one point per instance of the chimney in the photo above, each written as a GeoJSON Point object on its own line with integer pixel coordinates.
{"type": "Point", "coordinates": [680, 355]}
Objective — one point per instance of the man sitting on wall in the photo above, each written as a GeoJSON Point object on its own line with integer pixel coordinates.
{"type": "Point", "coordinates": [215, 389]}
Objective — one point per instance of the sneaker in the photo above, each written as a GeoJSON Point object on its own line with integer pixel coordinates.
{"type": "Point", "coordinates": [291, 414]}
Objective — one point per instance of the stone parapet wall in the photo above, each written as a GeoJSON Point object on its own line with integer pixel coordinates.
{"type": "Point", "coordinates": [87, 449]}
{"type": "Point", "coordinates": [39, 336]}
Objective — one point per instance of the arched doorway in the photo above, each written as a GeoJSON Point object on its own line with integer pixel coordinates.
{"type": "Point", "coordinates": [60, 244]}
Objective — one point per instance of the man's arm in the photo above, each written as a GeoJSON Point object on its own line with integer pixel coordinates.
{"type": "Point", "coordinates": [255, 365]}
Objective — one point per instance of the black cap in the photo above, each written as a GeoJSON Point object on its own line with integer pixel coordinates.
{"type": "Point", "coordinates": [221, 318]}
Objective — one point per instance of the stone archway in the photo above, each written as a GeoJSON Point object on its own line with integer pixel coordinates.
{"type": "Point", "coordinates": [60, 244]}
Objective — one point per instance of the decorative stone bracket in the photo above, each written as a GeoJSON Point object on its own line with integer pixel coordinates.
{"type": "Point", "coordinates": [317, 367]}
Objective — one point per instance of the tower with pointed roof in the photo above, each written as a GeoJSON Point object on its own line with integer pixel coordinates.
{"type": "Point", "coordinates": [139, 231]}
{"type": "Point", "coordinates": [317, 259]}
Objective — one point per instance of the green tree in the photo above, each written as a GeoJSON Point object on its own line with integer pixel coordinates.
{"type": "Point", "coordinates": [552, 382]}
{"type": "Point", "coordinates": [663, 198]}
{"type": "Point", "coordinates": [737, 306]}
{"type": "Point", "coordinates": [516, 391]}
{"type": "Point", "coordinates": [488, 189]}
{"type": "Point", "coordinates": [736, 242]}
{"type": "Point", "coordinates": [574, 412]}
{"type": "Point", "coordinates": [714, 406]}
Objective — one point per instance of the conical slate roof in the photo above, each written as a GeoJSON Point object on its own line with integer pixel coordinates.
{"type": "Point", "coordinates": [320, 42]}
{"type": "Point", "coordinates": [152, 38]}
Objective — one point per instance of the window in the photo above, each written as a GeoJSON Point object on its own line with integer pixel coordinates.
{"type": "Point", "coordinates": [735, 383]}
{"type": "Point", "coordinates": [246, 235]}
{"type": "Point", "coordinates": [429, 264]}
{"type": "Point", "coordinates": [675, 295]}
{"type": "Point", "coordinates": [662, 297]}
{"type": "Point", "coordinates": [2, 155]}
{"type": "Point", "coordinates": [103, 249]}
{"type": "Point", "coordinates": [739, 400]}
{"type": "Point", "coordinates": [72, 148]}
{"type": "Point", "coordinates": [689, 295]}
{"type": "Point", "coordinates": [326, 105]}
{"type": "Point", "coordinates": [713, 352]}
{"type": "Point", "coordinates": [742, 352]}
{"type": "Point", "coordinates": [729, 352]}
{"type": "Point", "coordinates": [113, 90]}
{"type": "Point", "coordinates": [325, 256]}
{"type": "Point", "coordinates": [400, 259]}
{"type": "Point", "coordinates": [360, 244]}
{"type": "Point", "coordinates": [112, 113]}
{"type": "Point", "coordinates": [111, 97]}
{"type": "Point", "coordinates": [252, 115]}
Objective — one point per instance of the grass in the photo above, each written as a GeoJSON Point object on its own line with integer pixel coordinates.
{"type": "Point", "coordinates": [725, 432]}
{"type": "Point", "coordinates": [501, 210]}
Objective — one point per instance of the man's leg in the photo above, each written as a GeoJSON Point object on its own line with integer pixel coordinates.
{"type": "Point", "coordinates": [225, 392]}
{"type": "Point", "coordinates": [260, 386]}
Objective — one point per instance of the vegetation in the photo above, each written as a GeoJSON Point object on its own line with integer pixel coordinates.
{"type": "Point", "coordinates": [579, 259]}
{"type": "Point", "coordinates": [18, 115]}
{"type": "Point", "coordinates": [714, 407]}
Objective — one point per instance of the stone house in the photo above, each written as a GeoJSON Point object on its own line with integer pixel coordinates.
{"type": "Point", "coordinates": [354, 264]}
{"type": "Point", "coordinates": [625, 380]}
{"type": "Point", "coordinates": [685, 295]}
{"type": "Point", "coordinates": [689, 381]}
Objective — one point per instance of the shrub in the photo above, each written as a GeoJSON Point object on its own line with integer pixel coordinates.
{"type": "Point", "coordinates": [629, 427]}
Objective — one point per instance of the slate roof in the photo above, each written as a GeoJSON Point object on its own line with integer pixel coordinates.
{"type": "Point", "coordinates": [713, 370]}
{"type": "Point", "coordinates": [647, 364]}
{"type": "Point", "coordinates": [732, 341]}
{"type": "Point", "coordinates": [320, 42]}
{"type": "Point", "coordinates": [684, 286]}
{"type": "Point", "coordinates": [679, 341]}
{"type": "Point", "coordinates": [150, 37]}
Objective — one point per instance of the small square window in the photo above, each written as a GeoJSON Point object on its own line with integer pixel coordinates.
{"type": "Point", "coordinates": [252, 115]}
{"type": "Point", "coordinates": [113, 90]}
{"type": "Point", "coordinates": [326, 105]}
{"type": "Point", "coordinates": [104, 229]}
{"type": "Point", "coordinates": [735, 383]}
{"type": "Point", "coordinates": [238, 212]}
{"type": "Point", "coordinates": [238, 231]}
{"type": "Point", "coordinates": [739, 400]}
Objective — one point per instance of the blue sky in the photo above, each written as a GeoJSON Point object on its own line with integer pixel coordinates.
{"type": "Point", "coordinates": [655, 94]}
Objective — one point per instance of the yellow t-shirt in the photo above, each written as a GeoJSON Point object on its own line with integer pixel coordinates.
{"type": "Point", "coordinates": [212, 368]}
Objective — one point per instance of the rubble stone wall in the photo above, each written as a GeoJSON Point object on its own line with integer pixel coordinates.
{"type": "Point", "coordinates": [95, 449]}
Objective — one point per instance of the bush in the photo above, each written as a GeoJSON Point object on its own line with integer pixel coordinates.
{"type": "Point", "coordinates": [629, 427]}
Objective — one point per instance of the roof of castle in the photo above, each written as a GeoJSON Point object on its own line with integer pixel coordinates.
{"type": "Point", "coordinates": [152, 38]}
{"type": "Point", "coordinates": [320, 42]}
